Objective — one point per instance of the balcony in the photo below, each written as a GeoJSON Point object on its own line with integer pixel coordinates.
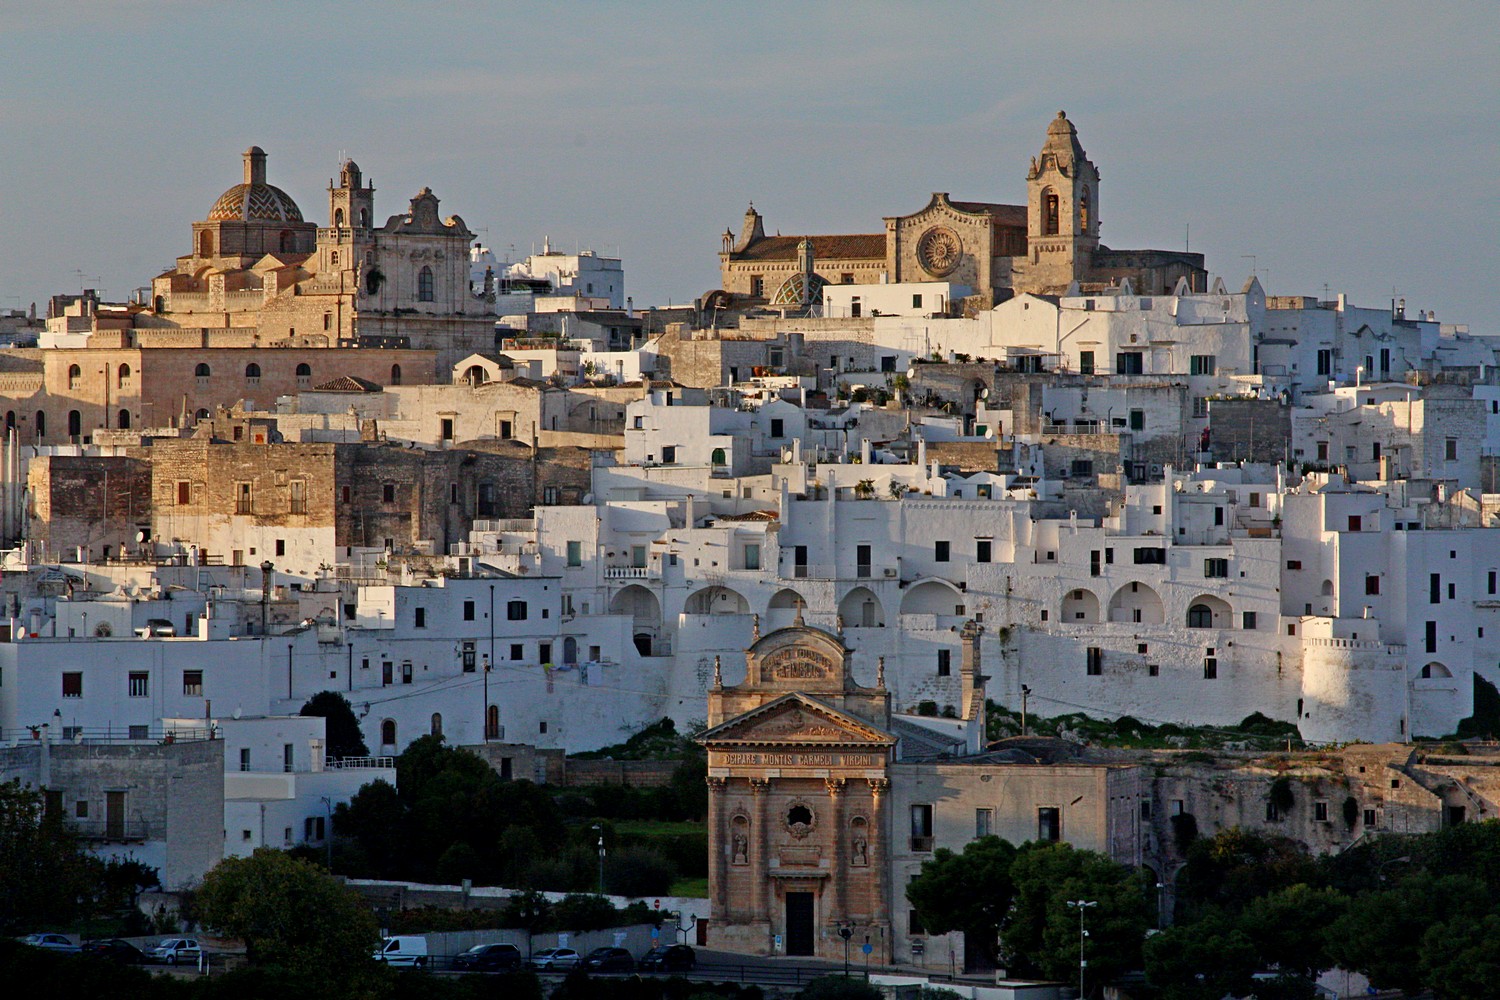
{"type": "Point", "coordinates": [921, 845]}
{"type": "Point", "coordinates": [632, 573]}
{"type": "Point", "coordinates": [359, 763]}
{"type": "Point", "coordinates": [121, 830]}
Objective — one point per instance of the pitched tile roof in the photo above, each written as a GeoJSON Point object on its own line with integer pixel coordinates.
{"type": "Point", "coordinates": [849, 246]}
{"type": "Point", "coordinates": [349, 383]}
{"type": "Point", "coordinates": [1004, 215]}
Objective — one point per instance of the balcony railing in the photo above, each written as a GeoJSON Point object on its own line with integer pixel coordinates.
{"type": "Point", "coordinates": [112, 829]}
{"type": "Point", "coordinates": [631, 573]}
{"type": "Point", "coordinates": [921, 844]}
{"type": "Point", "coordinates": [354, 763]}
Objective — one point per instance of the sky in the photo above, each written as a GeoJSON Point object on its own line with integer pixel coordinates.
{"type": "Point", "coordinates": [1329, 147]}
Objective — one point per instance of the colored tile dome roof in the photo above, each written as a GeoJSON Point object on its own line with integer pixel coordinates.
{"type": "Point", "coordinates": [255, 201]}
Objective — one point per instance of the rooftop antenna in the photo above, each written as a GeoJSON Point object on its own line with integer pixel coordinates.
{"type": "Point", "coordinates": [1251, 258]}
{"type": "Point", "coordinates": [1187, 238]}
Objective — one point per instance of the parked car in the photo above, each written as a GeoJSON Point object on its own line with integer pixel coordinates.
{"type": "Point", "coordinates": [51, 942]}
{"type": "Point", "coordinates": [610, 960]}
{"type": "Point", "coordinates": [490, 958]}
{"type": "Point", "coordinates": [408, 950]}
{"type": "Point", "coordinates": [116, 950]}
{"type": "Point", "coordinates": [177, 951]}
{"type": "Point", "coordinates": [556, 958]}
{"type": "Point", "coordinates": [669, 958]}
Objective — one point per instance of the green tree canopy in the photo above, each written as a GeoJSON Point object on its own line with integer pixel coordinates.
{"type": "Point", "coordinates": [1289, 927]}
{"type": "Point", "coordinates": [1207, 960]}
{"type": "Point", "coordinates": [46, 880]}
{"type": "Point", "coordinates": [1236, 866]}
{"type": "Point", "coordinates": [342, 734]}
{"type": "Point", "coordinates": [298, 923]}
{"type": "Point", "coordinates": [969, 892]}
{"type": "Point", "coordinates": [1381, 933]}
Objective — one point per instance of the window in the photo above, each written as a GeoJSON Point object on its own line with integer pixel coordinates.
{"type": "Point", "coordinates": [1491, 581]}
{"type": "Point", "coordinates": [1294, 564]}
{"type": "Point", "coordinates": [1320, 812]}
{"type": "Point", "coordinates": [982, 550]}
{"type": "Point", "coordinates": [406, 673]}
{"type": "Point", "coordinates": [140, 684]}
{"type": "Point", "coordinates": [1086, 362]}
{"type": "Point", "coordinates": [1049, 824]}
{"type": "Point", "coordinates": [944, 662]}
{"type": "Point", "coordinates": [921, 827]}
{"type": "Point", "coordinates": [345, 494]}
{"type": "Point", "coordinates": [778, 427]}
{"type": "Point", "coordinates": [304, 375]}
{"type": "Point", "coordinates": [297, 490]}
{"type": "Point", "coordinates": [243, 498]}
{"type": "Point", "coordinates": [1203, 364]}
{"type": "Point", "coordinates": [575, 553]}
{"type": "Point", "coordinates": [395, 374]}
{"type": "Point", "coordinates": [1129, 363]}
{"type": "Point", "coordinates": [388, 493]}
{"type": "Point", "coordinates": [1355, 522]}
{"type": "Point", "coordinates": [1430, 637]}
{"type": "Point", "coordinates": [72, 684]}
{"type": "Point", "coordinates": [544, 651]}
{"type": "Point", "coordinates": [1372, 584]}
{"type": "Point", "coordinates": [467, 653]}
{"type": "Point", "coordinates": [1325, 362]}
{"type": "Point", "coordinates": [1216, 569]}
{"type": "Point", "coordinates": [192, 683]}
{"type": "Point", "coordinates": [1210, 668]}
{"type": "Point", "coordinates": [757, 285]}
{"type": "Point", "coordinates": [1434, 588]}
{"type": "Point", "coordinates": [1247, 620]}
{"type": "Point", "coordinates": [1049, 214]}
{"type": "Point", "coordinates": [515, 611]}
{"type": "Point", "coordinates": [288, 758]}
{"type": "Point", "coordinates": [388, 732]}
{"type": "Point", "coordinates": [984, 822]}
{"type": "Point", "coordinates": [916, 301]}
{"type": "Point", "coordinates": [752, 556]}
{"type": "Point", "coordinates": [1369, 817]}
{"type": "Point", "coordinates": [1150, 556]}
{"type": "Point", "coordinates": [940, 551]}
{"type": "Point", "coordinates": [1094, 661]}
{"type": "Point", "coordinates": [202, 371]}
{"type": "Point", "coordinates": [435, 726]}
{"type": "Point", "coordinates": [669, 454]}
{"type": "Point", "coordinates": [1200, 407]}
{"type": "Point", "coordinates": [445, 428]}
{"type": "Point", "coordinates": [468, 611]}
{"type": "Point", "coordinates": [424, 284]}
{"type": "Point", "coordinates": [1153, 670]}
{"type": "Point", "coordinates": [244, 758]}
{"type": "Point", "coordinates": [1450, 450]}
{"type": "Point", "coordinates": [517, 651]}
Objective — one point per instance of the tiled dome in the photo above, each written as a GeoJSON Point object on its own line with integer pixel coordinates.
{"type": "Point", "coordinates": [255, 201]}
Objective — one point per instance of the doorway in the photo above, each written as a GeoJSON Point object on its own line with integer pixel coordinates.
{"type": "Point", "coordinates": [114, 815]}
{"type": "Point", "coordinates": [799, 923]}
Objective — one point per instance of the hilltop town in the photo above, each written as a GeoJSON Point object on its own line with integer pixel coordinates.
{"type": "Point", "coordinates": [856, 519]}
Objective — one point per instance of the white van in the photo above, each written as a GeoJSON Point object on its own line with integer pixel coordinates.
{"type": "Point", "coordinates": [405, 949]}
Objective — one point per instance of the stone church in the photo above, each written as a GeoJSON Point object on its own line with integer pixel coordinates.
{"type": "Point", "coordinates": [994, 250]}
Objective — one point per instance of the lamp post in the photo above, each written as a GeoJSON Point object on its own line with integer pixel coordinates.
{"type": "Point", "coordinates": [1082, 904]}
{"type": "Point", "coordinates": [328, 833]}
{"type": "Point", "coordinates": [601, 857]}
{"type": "Point", "coordinates": [486, 714]}
{"type": "Point", "coordinates": [846, 932]}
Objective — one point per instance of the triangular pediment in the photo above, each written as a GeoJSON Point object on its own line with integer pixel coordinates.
{"type": "Point", "coordinates": [795, 720]}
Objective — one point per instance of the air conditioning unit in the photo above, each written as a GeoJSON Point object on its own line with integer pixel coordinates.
{"type": "Point", "coordinates": [890, 571]}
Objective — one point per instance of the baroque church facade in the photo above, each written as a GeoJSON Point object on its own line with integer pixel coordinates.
{"type": "Point", "coordinates": [1042, 247]}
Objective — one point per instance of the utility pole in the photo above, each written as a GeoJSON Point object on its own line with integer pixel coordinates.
{"type": "Point", "coordinates": [1082, 904]}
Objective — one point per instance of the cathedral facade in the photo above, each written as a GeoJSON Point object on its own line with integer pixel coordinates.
{"type": "Point", "coordinates": [995, 250]}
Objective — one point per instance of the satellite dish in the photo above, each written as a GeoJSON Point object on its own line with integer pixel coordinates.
{"type": "Point", "coordinates": [911, 373]}
{"type": "Point", "coordinates": [238, 712]}
{"type": "Point", "coordinates": [140, 536]}
{"type": "Point", "coordinates": [984, 393]}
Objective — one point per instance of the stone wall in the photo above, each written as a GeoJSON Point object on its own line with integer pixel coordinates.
{"type": "Point", "coordinates": [1251, 430]}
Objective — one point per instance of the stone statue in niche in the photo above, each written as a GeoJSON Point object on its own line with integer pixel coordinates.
{"type": "Point", "coordinates": [739, 853]}
{"type": "Point", "coordinates": [861, 853]}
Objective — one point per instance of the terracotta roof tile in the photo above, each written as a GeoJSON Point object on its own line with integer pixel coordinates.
{"type": "Point", "coordinates": [1004, 215]}
{"type": "Point", "coordinates": [348, 383]}
{"type": "Point", "coordinates": [849, 246]}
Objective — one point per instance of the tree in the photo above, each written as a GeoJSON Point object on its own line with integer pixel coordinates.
{"type": "Point", "coordinates": [45, 877]}
{"type": "Point", "coordinates": [1237, 866]}
{"type": "Point", "coordinates": [969, 892]}
{"type": "Point", "coordinates": [1461, 958]}
{"type": "Point", "coordinates": [1205, 961]}
{"type": "Point", "coordinates": [373, 821]}
{"type": "Point", "coordinates": [298, 923]}
{"type": "Point", "coordinates": [1381, 933]}
{"type": "Point", "coordinates": [1289, 928]}
{"type": "Point", "coordinates": [839, 988]}
{"type": "Point", "coordinates": [1042, 931]}
{"type": "Point", "coordinates": [343, 736]}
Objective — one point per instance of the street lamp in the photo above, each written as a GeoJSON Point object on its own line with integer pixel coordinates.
{"type": "Point", "coordinates": [846, 932]}
{"type": "Point", "coordinates": [1082, 904]}
{"type": "Point", "coordinates": [596, 826]}
{"type": "Point", "coordinates": [328, 833]}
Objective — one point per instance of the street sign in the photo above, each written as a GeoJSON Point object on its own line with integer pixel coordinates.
{"type": "Point", "coordinates": [658, 904]}
{"type": "Point", "coordinates": [655, 933]}
{"type": "Point", "coordinates": [867, 947]}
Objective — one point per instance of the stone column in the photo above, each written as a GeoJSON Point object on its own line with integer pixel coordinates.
{"type": "Point", "coordinates": [838, 906]}
{"type": "Point", "coordinates": [760, 856]}
{"type": "Point", "coordinates": [719, 836]}
{"type": "Point", "coordinates": [879, 862]}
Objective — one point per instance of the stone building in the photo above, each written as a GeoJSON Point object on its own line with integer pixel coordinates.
{"type": "Point", "coordinates": [994, 250]}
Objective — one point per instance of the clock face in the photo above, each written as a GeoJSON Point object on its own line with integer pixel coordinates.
{"type": "Point", "coordinates": [939, 251]}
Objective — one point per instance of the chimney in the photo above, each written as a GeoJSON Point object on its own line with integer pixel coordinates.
{"type": "Point", "coordinates": [255, 165]}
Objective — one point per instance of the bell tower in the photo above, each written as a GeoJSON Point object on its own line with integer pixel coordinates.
{"type": "Point", "coordinates": [1062, 210]}
{"type": "Point", "coordinates": [351, 205]}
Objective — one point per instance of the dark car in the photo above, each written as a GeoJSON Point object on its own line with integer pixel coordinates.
{"type": "Point", "coordinates": [669, 958]}
{"type": "Point", "coordinates": [116, 951]}
{"type": "Point", "coordinates": [609, 960]}
{"type": "Point", "coordinates": [489, 958]}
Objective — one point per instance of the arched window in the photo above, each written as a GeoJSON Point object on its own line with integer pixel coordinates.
{"type": "Point", "coordinates": [252, 370]}
{"type": "Point", "coordinates": [202, 371]}
{"type": "Point", "coordinates": [122, 376]}
{"type": "Point", "coordinates": [437, 724]}
{"type": "Point", "coordinates": [388, 733]}
{"type": "Point", "coordinates": [333, 258]}
{"type": "Point", "coordinates": [570, 650]}
{"type": "Point", "coordinates": [395, 374]}
{"type": "Point", "coordinates": [285, 241]}
{"type": "Point", "coordinates": [41, 423]}
{"type": "Point", "coordinates": [205, 244]}
{"type": "Point", "coordinates": [161, 303]}
{"type": "Point", "coordinates": [304, 370]}
{"type": "Point", "coordinates": [1083, 211]}
{"type": "Point", "coordinates": [364, 217]}
{"type": "Point", "coordinates": [338, 217]}
{"type": "Point", "coordinates": [424, 284]}
{"type": "Point", "coordinates": [1200, 616]}
{"type": "Point", "coordinates": [718, 457]}
{"type": "Point", "coordinates": [492, 722]}
{"type": "Point", "coordinates": [1049, 213]}
{"type": "Point", "coordinates": [475, 375]}
{"type": "Point", "coordinates": [10, 420]}
{"type": "Point", "coordinates": [202, 413]}
{"type": "Point", "coordinates": [75, 375]}
{"type": "Point", "coordinates": [75, 423]}
{"type": "Point", "coordinates": [124, 420]}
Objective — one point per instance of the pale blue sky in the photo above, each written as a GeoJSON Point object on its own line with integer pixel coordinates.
{"type": "Point", "coordinates": [1347, 144]}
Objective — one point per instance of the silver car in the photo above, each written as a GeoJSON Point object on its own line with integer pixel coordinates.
{"type": "Point", "coordinates": [51, 942]}
{"type": "Point", "coordinates": [556, 958]}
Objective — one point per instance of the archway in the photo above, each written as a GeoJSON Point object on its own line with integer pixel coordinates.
{"type": "Point", "coordinates": [1208, 611]}
{"type": "Point", "coordinates": [1136, 602]}
{"type": "Point", "coordinates": [1079, 606]}
{"type": "Point", "coordinates": [124, 420]}
{"type": "Point", "coordinates": [437, 724]}
{"type": "Point", "coordinates": [475, 375]}
{"type": "Point", "coordinates": [75, 423]}
{"type": "Point", "coordinates": [644, 610]}
{"type": "Point", "coordinates": [860, 608]}
{"type": "Point", "coordinates": [782, 609]}
{"type": "Point", "coordinates": [934, 597]}
{"type": "Point", "coordinates": [388, 733]}
{"type": "Point", "coordinates": [716, 600]}
{"type": "Point", "coordinates": [570, 649]}
{"type": "Point", "coordinates": [1435, 670]}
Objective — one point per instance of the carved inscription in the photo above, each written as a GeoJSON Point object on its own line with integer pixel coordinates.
{"type": "Point", "coordinates": [797, 663]}
{"type": "Point", "coordinates": [801, 759]}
